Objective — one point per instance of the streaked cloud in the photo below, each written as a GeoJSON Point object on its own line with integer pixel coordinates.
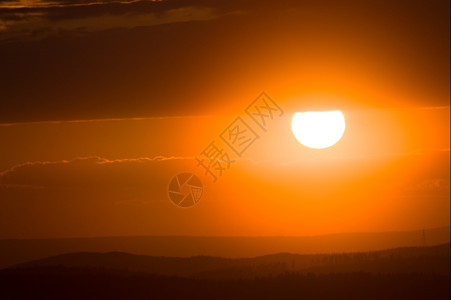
{"type": "Point", "coordinates": [40, 19]}
{"type": "Point", "coordinates": [432, 185]}
{"type": "Point", "coordinates": [96, 120]}
{"type": "Point", "coordinates": [14, 4]}
{"type": "Point", "coordinates": [83, 171]}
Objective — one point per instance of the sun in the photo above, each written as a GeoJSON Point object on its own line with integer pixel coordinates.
{"type": "Point", "coordinates": [318, 129]}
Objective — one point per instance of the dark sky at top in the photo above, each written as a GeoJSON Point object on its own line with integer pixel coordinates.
{"type": "Point", "coordinates": [63, 60]}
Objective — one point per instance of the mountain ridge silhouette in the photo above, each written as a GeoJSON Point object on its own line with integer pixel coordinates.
{"type": "Point", "coordinates": [434, 259]}
{"type": "Point", "coordinates": [16, 251]}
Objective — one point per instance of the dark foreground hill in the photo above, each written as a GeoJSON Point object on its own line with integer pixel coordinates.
{"type": "Point", "coordinates": [402, 273]}
{"type": "Point", "coordinates": [84, 283]}
{"type": "Point", "coordinates": [401, 260]}
{"type": "Point", "coordinates": [15, 251]}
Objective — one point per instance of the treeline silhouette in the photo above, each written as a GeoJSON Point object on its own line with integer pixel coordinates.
{"type": "Point", "coordinates": [16, 251]}
{"type": "Point", "coordinates": [434, 260]}
{"type": "Point", "coordinates": [100, 283]}
{"type": "Point", "coordinates": [403, 273]}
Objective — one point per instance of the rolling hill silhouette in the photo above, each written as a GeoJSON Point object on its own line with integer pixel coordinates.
{"type": "Point", "coordinates": [401, 260]}
{"type": "Point", "coordinates": [401, 273]}
{"type": "Point", "coordinates": [16, 251]}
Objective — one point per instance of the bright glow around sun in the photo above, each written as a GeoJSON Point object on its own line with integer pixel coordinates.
{"type": "Point", "coordinates": [318, 129]}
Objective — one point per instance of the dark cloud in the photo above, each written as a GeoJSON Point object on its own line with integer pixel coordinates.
{"type": "Point", "coordinates": [434, 185]}
{"type": "Point", "coordinates": [52, 18]}
{"type": "Point", "coordinates": [114, 59]}
{"type": "Point", "coordinates": [94, 172]}
{"type": "Point", "coordinates": [36, 4]}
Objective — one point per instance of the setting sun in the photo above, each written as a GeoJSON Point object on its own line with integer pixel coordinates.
{"type": "Point", "coordinates": [318, 130]}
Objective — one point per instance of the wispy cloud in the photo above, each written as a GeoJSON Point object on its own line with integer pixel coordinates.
{"type": "Point", "coordinates": [431, 185]}
{"type": "Point", "coordinates": [95, 159]}
{"type": "Point", "coordinates": [39, 19]}
{"type": "Point", "coordinates": [101, 120]}
{"type": "Point", "coordinates": [51, 4]}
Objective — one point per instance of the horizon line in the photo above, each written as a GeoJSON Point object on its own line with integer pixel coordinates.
{"type": "Point", "coordinates": [232, 236]}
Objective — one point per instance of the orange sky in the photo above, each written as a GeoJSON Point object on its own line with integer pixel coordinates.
{"type": "Point", "coordinates": [149, 94]}
{"type": "Point", "coordinates": [390, 171]}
